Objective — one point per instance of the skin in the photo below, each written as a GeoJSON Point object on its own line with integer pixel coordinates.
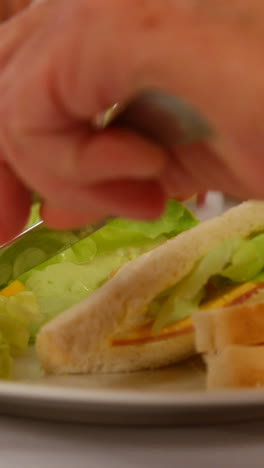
{"type": "Point", "coordinates": [63, 62]}
{"type": "Point", "coordinates": [9, 8]}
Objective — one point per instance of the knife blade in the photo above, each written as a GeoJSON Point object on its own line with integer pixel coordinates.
{"type": "Point", "coordinates": [36, 245]}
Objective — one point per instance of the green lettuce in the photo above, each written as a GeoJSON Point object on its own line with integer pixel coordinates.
{"type": "Point", "coordinates": [174, 310]}
{"type": "Point", "coordinates": [60, 286]}
{"type": "Point", "coordinates": [19, 317]}
{"type": "Point", "coordinates": [34, 215]}
{"type": "Point", "coordinates": [64, 280]}
{"type": "Point", "coordinates": [184, 298]}
{"type": "Point", "coordinates": [247, 261]}
{"type": "Point", "coordinates": [234, 261]}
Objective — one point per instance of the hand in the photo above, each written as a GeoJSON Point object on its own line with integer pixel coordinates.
{"type": "Point", "coordinates": [64, 61]}
{"type": "Point", "coordinates": [9, 8]}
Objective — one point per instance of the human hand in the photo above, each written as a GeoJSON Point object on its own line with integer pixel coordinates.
{"type": "Point", "coordinates": [63, 62]}
{"type": "Point", "coordinates": [8, 8]}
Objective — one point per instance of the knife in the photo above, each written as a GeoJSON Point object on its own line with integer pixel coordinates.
{"type": "Point", "coordinates": [36, 245]}
{"type": "Point", "coordinates": [163, 118]}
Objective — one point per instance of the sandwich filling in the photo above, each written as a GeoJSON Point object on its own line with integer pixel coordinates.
{"type": "Point", "coordinates": [212, 283]}
{"type": "Point", "coordinates": [143, 334]}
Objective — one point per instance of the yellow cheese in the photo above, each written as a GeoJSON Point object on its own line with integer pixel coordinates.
{"type": "Point", "coordinates": [229, 296]}
{"type": "Point", "coordinates": [12, 289]}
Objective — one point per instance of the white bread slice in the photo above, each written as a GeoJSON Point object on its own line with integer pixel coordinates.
{"type": "Point", "coordinates": [78, 340]}
{"type": "Point", "coordinates": [233, 340]}
{"type": "Point", "coordinates": [241, 324]}
{"type": "Point", "coordinates": [236, 367]}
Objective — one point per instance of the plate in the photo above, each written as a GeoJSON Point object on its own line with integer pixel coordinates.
{"type": "Point", "coordinates": [170, 396]}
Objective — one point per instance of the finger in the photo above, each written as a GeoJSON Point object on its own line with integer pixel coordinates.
{"type": "Point", "coordinates": [59, 218]}
{"type": "Point", "coordinates": [15, 34]}
{"type": "Point", "coordinates": [17, 5]}
{"type": "Point", "coordinates": [196, 168]}
{"type": "Point", "coordinates": [9, 8]}
{"type": "Point", "coordinates": [14, 206]}
{"type": "Point", "coordinates": [141, 200]}
{"type": "Point", "coordinates": [181, 196]}
{"type": "Point", "coordinates": [86, 156]}
{"type": "Point", "coordinates": [136, 199]}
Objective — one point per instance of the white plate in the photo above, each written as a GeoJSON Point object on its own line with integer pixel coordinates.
{"type": "Point", "coordinates": [173, 395]}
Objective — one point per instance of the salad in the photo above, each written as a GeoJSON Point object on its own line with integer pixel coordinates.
{"type": "Point", "coordinates": [40, 294]}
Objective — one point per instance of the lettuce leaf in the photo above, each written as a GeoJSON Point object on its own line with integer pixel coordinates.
{"type": "Point", "coordinates": [34, 215]}
{"type": "Point", "coordinates": [247, 261]}
{"type": "Point", "coordinates": [210, 265]}
{"type": "Point", "coordinates": [236, 260]}
{"type": "Point", "coordinates": [121, 233]}
{"type": "Point", "coordinates": [183, 299]}
{"type": "Point", "coordinates": [176, 218]}
{"type": "Point", "coordinates": [18, 316]}
{"type": "Point", "coordinates": [60, 286]}
{"type": "Point", "coordinates": [74, 274]}
{"type": "Point", "coordinates": [174, 310]}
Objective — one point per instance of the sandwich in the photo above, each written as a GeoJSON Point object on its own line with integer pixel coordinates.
{"type": "Point", "coordinates": [56, 284]}
{"type": "Point", "coordinates": [231, 340]}
{"type": "Point", "coordinates": [142, 317]}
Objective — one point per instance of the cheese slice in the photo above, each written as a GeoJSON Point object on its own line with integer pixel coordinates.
{"type": "Point", "coordinates": [243, 291]}
{"type": "Point", "coordinates": [12, 289]}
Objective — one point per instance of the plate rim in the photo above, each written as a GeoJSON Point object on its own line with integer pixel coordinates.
{"type": "Point", "coordinates": [201, 398]}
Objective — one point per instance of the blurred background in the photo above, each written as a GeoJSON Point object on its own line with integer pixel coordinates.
{"type": "Point", "coordinates": [210, 204]}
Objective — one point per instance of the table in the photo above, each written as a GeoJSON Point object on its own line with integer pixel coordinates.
{"type": "Point", "coordinates": [38, 444]}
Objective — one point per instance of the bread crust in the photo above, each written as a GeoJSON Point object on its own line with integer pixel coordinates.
{"type": "Point", "coordinates": [232, 340]}
{"type": "Point", "coordinates": [236, 367]}
{"type": "Point", "coordinates": [79, 339]}
{"type": "Point", "coordinates": [242, 324]}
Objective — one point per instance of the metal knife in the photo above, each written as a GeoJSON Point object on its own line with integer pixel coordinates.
{"type": "Point", "coordinates": [165, 119]}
